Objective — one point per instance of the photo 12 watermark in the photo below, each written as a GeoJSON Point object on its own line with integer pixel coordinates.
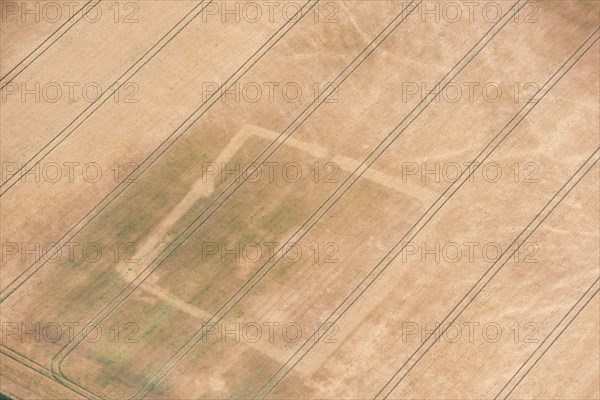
{"type": "Point", "coordinates": [471, 92]}
{"type": "Point", "coordinates": [253, 12]}
{"type": "Point", "coordinates": [61, 332]}
{"type": "Point", "coordinates": [525, 171]}
{"type": "Point", "coordinates": [67, 92]}
{"type": "Point", "coordinates": [69, 172]}
{"type": "Point", "coordinates": [453, 11]}
{"type": "Point", "coordinates": [70, 252]}
{"type": "Point", "coordinates": [270, 332]}
{"type": "Point", "coordinates": [270, 92]}
{"type": "Point", "coordinates": [257, 252]}
{"type": "Point", "coordinates": [470, 332]}
{"type": "Point", "coordinates": [57, 12]}
{"type": "Point", "coordinates": [468, 252]}
{"type": "Point", "coordinates": [270, 172]}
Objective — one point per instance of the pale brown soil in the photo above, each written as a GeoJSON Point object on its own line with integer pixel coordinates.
{"type": "Point", "coordinates": [376, 214]}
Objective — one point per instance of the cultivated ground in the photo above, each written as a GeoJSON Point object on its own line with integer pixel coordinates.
{"type": "Point", "coordinates": [207, 199]}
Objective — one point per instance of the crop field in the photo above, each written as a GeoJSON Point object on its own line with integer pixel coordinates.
{"type": "Point", "coordinates": [300, 199]}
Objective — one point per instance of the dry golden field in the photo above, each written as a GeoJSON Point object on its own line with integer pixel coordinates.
{"type": "Point", "coordinates": [300, 199]}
